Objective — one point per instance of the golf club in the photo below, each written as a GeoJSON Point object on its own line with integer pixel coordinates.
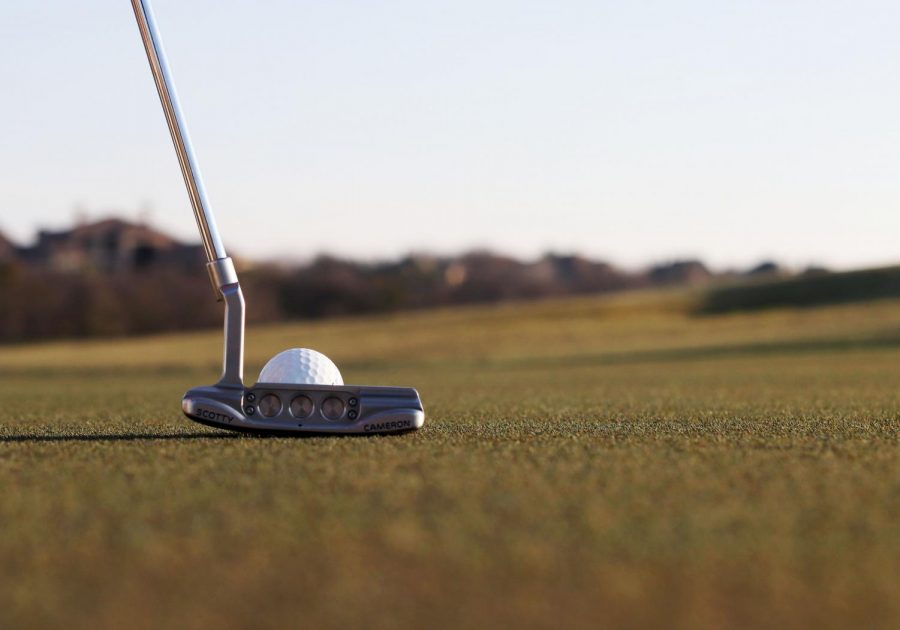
{"type": "Point", "coordinates": [307, 394]}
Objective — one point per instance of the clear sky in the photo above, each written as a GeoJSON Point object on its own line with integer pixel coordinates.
{"type": "Point", "coordinates": [631, 130]}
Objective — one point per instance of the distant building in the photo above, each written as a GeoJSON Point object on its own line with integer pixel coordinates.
{"type": "Point", "coordinates": [680, 272]}
{"type": "Point", "coordinates": [109, 246]}
{"type": "Point", "coordinates": [582, 275]}
{"type": "Point", "coordinates": [765, 268]}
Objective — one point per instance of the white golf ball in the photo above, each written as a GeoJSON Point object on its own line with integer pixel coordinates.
{"type": "Point", "coordinates": [301, 366]}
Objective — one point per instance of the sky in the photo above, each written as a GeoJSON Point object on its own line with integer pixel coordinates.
{"type": "Point", "coordinates": [634, 132]}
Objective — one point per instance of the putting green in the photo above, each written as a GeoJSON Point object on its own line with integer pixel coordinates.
{"type": "Point", "coordinates": [593, 461]}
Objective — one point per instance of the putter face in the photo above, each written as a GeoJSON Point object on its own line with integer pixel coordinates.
{"type": "Point", "coordinates": [284, 408]}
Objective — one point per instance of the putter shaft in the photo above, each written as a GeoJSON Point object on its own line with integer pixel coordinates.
{"type": "Point", "coordinates": [162, 76]}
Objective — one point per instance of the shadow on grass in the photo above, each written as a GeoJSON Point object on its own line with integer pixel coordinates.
{"type": "Point", "coordinates": [117, 437]}
{"type": "Point", "coordinates": [763, 348]}
{"type": "Point", "coordinates": [708, 352]}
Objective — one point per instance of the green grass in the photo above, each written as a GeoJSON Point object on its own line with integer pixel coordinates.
{"type": "Point", "coordinates": [584, 463]}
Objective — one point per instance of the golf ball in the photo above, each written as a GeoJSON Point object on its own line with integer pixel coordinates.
{"type": "Point", "coordinates": [301, 366]}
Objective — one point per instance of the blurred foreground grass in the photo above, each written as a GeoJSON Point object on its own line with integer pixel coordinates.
{"type": "Point", "coordinates": [584, 462]}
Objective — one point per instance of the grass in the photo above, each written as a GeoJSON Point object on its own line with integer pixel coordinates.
{"type": "Point", "coordinates": [615, 462]}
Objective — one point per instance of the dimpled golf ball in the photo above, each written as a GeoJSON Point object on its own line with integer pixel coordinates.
{"type": "Point", "coordinates": [301, 366]}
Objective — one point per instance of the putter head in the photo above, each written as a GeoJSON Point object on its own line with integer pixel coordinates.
{"type": "Point", "coordinates": [287, 408]}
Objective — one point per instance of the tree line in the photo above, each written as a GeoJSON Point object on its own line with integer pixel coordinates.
{"type": "Point", "coordinates": [42, 303]}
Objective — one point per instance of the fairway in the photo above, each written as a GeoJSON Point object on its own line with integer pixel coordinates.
{"type": "Point", "coordinates": [584, 462]}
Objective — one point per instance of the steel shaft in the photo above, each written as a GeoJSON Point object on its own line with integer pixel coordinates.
{"type": "Point", "coordinates": [162, 76]}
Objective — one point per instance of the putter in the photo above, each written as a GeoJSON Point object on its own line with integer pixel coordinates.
{"type": "Point", "coordinates": [264, 407]}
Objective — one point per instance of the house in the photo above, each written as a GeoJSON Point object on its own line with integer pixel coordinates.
{"type": "Point", "coordinates": [110, 246]}
{"type": "Point", "coordinates": [681, 272]}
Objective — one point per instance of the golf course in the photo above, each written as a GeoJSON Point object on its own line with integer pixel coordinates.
{"type": "Point", "coordinates": [622, 461]}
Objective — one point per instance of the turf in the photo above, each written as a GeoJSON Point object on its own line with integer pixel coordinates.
{"type": "Point", "coordinates": [591, 462]}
